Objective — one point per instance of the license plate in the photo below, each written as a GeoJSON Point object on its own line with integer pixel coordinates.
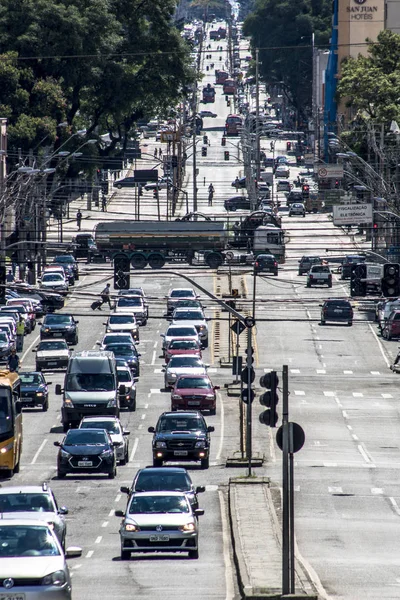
{"type": "Point", "coordinates": [180, 453]}
{"type": "Point", "coordinates": [27, 399]}
{"type": "Point", "coordinates": [337, 310]}
{"type": "Point", "coordinates": [159, 538]}
{"type": "Point", "coordinates": [85, 463]}
{"type": "Point", "coordinates": [12, 596]}
{"type": "Point", "coordinates": [52, 363]}
{"type": "Point", "coordinates": [193, 402]}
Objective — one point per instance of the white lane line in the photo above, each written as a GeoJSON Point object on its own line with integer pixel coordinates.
{"type": "Point", "coordinates": [395, 505]}
{"type": "Point", "coordinates": [89, 554]}
{"type": "Point", "coordinates": [143, 416]}
{"type": "Point", "coordinates": [330, 465]}
{"type": "Point", "coordinates": [117, 498]}
{"type": "Point", "coordinates": [321, 371]}
{"type": "Point", "coordinates": [146, 406]}
{"type": "Point", "coordinates": [104, 523]}
{"type": "Point", "coordinates": [135, 445]}
{"type": "Point", "coordinates": [140, 426]}
{"type": "Point", "coordinates": [387, 396]}
{"type": "Point", "coordinates": [299, 393]}
{"type": "Point", "coordinates": [98, 539]}
{"type": "Point", "coordinates": [295, 371]}
{"type": "Point", "coordinates": [376, 491]}
{"type": "Point", "coordinates": [221, 437]}
{"type": "Point", "coordinates": [153, 360]}
{"type": "Point", "coordinates": [381, 348]}
{"type": "Point", "coordinates": [229, 586]}
{"type": "Point", "coordinates": [335, 490]}
{"type": "Point", "coordinates": [111, 513]}
{"type": "Point", "coordinates": [375, 372]}
{"type": "Point", "coordinates": [155, 391]}
{"type": "Point", "coordinates": [158, 370]}
{"type": "Point", "coordinates": [94, 347]}
{"type": "Point", "coordinates": [348, 372]}
{"type": "Point", "coordinates": [358, 395]}
{"type": "Point", "coordinates": [364, 454]}
{"type": "Point", "coordinates": [349, 427]}
{"type": "Point", "coordinates": [355, 437]}
{"type": "Point", "coordinates": [308, 314]}
{"type": "Point", "coordinates": [155, 345]}
{"type": "Point", "coordinates": [344, 414]}
{"type": "Point", "coordinates": [329, 394]}
{"type": "Point", "coordinates": [42, 445]}
{"type": "Point", "coordinates": [35, 341]}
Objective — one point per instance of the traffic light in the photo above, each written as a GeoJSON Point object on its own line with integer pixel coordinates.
{"type": "Point", "coordinates": [391, 280]}
{"type": "Point", "coordinates": [223, 141]}
{"type": "Point", "coordinates": [257, 267]}
{"type": "Point", "coordinates": [288, 146]}
{"type": "Point", "coordinates": [269, 399]}
{"type": "Point", "coordinates": [305, 190]}
{"type": "Point", "coordinates": [204, 151]}
{"type": "Point", "coordinates": [251, 355]}
{"type": "Point", "coordinates": [226, 155]}
{"type": "Point", "coordinates": [122, 267]}
{"type": "Point", "coordinates": [155, 194]}
{"type": "Point", "coordinates": [358, 280]}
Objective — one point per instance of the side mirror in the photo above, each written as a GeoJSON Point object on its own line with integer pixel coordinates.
{"type": "Point", "coordinates": [162, 335]}
{"type": "Point", "coordinates": [49, 383]}
{"type": "Point", "coordinates": [63, 510]}
{"type": "Point", "coordinates": [40, 323]}
{"type": "Point", "coordinates": [73, 552]}
{"type": "Point", "coordinates": [207, 366]}
{"type": "Point", "coordinates": [200, 489]}
{"type": "Point", "coordinates": [58, 444]}
{"type": "Point", "coordinates": [151, 430]}
{"type": "Point", "coordinates": [105, 323]}
{"type": "Point", "coordinates": [126, 432]}
{"type": "Point", "coordinates": [119, 513]}
{"type": "Point", "coordinates": [58, 389]}
{"type": "Point", "coordinates": [199, 512]}
{"type": "Point", "coordinates": [76, 322]}
{"type": "Point", "coordinates": [217, 387]}
{"type": "Point", "coordinates": [210, 428]}
{"type": "Point", "coordinates": [18, 407]}
{"type": "Point", "coordinates": [163, 370]}
{"type": "Point", "coordinates": [34, 349]}
{"type": "Point", "coordinates": [124, 489]}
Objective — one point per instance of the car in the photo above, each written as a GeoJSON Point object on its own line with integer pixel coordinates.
{"type": "Point", "coordinates": [138, 291]}
{"type": "Point", "coordinates": [207, 113]}
{"type": "Point", "coordinates": [115, 337]}
{"type": "Point", "coordinates": [239, 182]}
{"type": "Point", "coordinates": [391, 328]}
{"type": "Point", "coordinates": [159, 522]}
{"type": "Point", "coordinates": [266, 263]}
{"type": "Point", "coordinates": [67, 269]}
{"type": "Point", "coordinates": [84, 246]}
{"type": "Point", "coordinates": [192, 316]}
{"type": "Point", "coordinates": [283, 186]}
{"type": "Point", "coordinates": [188, 303]}
{"type": "Point", "coordinates": [15, 313]}
{"type": "Point", "coordinates": [86, 451]}
{"type": "Point", "coordinates": [282, 171]}
{"type": "Point", "coordinates": [193, 391]}
{"type": "Point", "coordinates": [34, 502]}
{"type": "Point", "coordinates": [297, 209]}
{"type": "Point", "coordinates": [269, 161]}
{"type": "Point", "coordinates": [6, 345]}
{"type": "Point", "coordinates": [53, 282]}
{"type": "Point", "coordinates": [237, 203]}
{"type": "Point", "coordinates": [7, 324]}
{"type": "Point", "coordinates": [183, 365]}
{"type": "Point", "coordinates": [52, 354]}
{"type": "Point", "coordinates": [36, 304]}
{"type": "Point", "coordinates": [336, 310]}
{"type": "Point", "coordinates": [319, 274]}
{"type": "Point", "coordinates": [27, 304]}
{"type": "Point", "coordinates": [134, 305]}
{"type": "Point", "coordinates": [69, 259]}
{"type": "Point", "coordinates": [127, 352]}
{"type": "Point", "coordinates": [306, 262]}
{"type": "Point", "coordinates": [32, 561]}
{"type": "Point", "coordinates": [50, 301]}
{"type": "Point", "coordinates": [177, 294]}
{"type": "Point", "coordinates": [384, 309]}
{"type": "Point", "coordinates": [162, 184]}
{"type": "Point", "coordinates": [181, 436]}
{"type": "Point", "coordinates": [60, 325]}
{"type": "Point", "coordinates": [181, 347]}
{"type": "Point", "coordinates": [123, 323]}
{"type": "Point", "coordinates": [281, 160]}
{"type": "Point", "coordinates": [348, 262]}
{"type": "Point", "coordinates": [294, 196]}
{"type": "Point", "coordinates": [165, 479]}
{"type": "Point", "coordinates": [127, 387]}
{"type": "Point", "coordinates": [34, 389]}
{"type": "Point", "coordinates": [179, 331]}
{"type": "Point", "coordinates": [127, 182]}
{"type": "Point", "coordinates": [118, 434]}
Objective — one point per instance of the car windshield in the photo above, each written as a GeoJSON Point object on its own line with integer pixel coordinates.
{"type": "Point", "coordinates": [185, 361]}
{"type": "Point", "coordinates": [126, 301]}
{"type": "Point", "coordinates": [320, 269]}
{"type": "Point", "coordinates": [77, 437]}
{"type": "Point", "coordinates": [121, 319]}
{"type": "Point", "coordinates": [31, 378]}
{"type": "Point", "coordinates": [181, 332]}
{"type": "Point", "coordinates": [88, 382]}
{"type": "Point", "coordinates": [59, 345]}
{"type": "Point", "coordinates": [188, 315]}
{"type": "Point", "coordinates": [124, 375]}
{"type": "Point", "coordinates": [52, 277]}
{"type": "Point", "coordinates": [27, 540]}
{"type": "Point", "coordinates": [25, 502]}
{"type": "Point", "coordinates": [64, 259]}
{"type": "Point", "coordinates": [116, 339]}
{"type": "Point", "coordinates": [182, 294]}
{"type": "Point", "coordinates": [187, 304]}
{"type": "Point", "coordinates": [197, 383]}
{"type": "Point", "coordinates": [338, 304]}
{"type": "Point", "coordinates": [149, 481]}
{"type": "Point", "coordinates": [181, 423]}
{"type": "Point", "coordinates": [183, 345]}
{"type": "Point", "coordinates": [158, 504]}
{"type": "Point", "coordinates": [121, 349]}
{"type": "Point", "coordinates": [3, 337]}
{"type": "Point", "coordinates": [57, 320]}
{"type": "Point", "coordinates": [110, 426]}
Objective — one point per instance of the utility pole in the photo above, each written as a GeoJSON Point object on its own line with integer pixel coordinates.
{"type": "Point", "coordinates": [258, 166]}
{"type": "Point", "coordinates": [194, 153]}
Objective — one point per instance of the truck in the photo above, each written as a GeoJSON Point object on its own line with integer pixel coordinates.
{"type": "Point", "coordinates": [313, 203]}
{"type": "Point", "coordinates": [155, 243]}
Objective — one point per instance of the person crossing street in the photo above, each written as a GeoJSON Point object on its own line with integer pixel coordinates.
{"type": "Point", "coordinates": [210, 194]}
{"type": "Point", "coordinates": [105, 296]}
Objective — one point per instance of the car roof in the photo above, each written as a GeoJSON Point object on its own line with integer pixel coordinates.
{"type": "Point", "coordinates": [123, 314]}
{"type": "Point", "coordinates": [165, 493]}
{"type": "Point", "coordinates": [25, 523]}
{"type": "Point", "coordinates": [24, 489]}
{"type": "Point", "coordinates": [181, 290]}
{"type": "Point", "coordinates": [101, 418]}
{"type": "Point", "coordinates": [183, 414]}
{"type": "Point", "coordinates": [162, 470]}
{"type": "Point", "coordinates": [187, 356]}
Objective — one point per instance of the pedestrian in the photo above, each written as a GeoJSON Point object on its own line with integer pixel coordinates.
{"type": "Point", "coordinates": [104, 203]}
{"type": "Point", "coordinates": [236, 230]}
{"type": "Point", "coordinates": [82, 195]}
{"type": "Point", "coordinates": [20, 334]}
{"type": "Point", "coordinates": [155, 152]}
{"type": "Point", "coordinates": [210, 194]}
{"type": "Point", "coordinates": [204, 181]}
{"type": "Point", "coordinates": [105, 296]}
{"type": "Point", "coordinates": [237, 182]}
{"type": "Point", "coordinates": [10, 277]}
{"type": "Point", "coordinates": [13, 360]}
{"type": "Point", "coordinates": [79, 219]}
{"type": "Point", "coordinates": [160, 153]}
{"type": "Point", "coordinates": [271, 146]}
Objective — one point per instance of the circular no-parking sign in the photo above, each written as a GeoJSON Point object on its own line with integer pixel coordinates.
{"type": "Point", "coordinates": [322, 172]}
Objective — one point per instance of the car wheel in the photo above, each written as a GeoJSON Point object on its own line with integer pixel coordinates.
{"type": "Point", "coordinates": [350, 323]}
{"type": "Point", "coordinates": [113, 473]}
{"type": "Point", "coordinates": [144, 322]}
{"type": "Point", "coordinates": [119, 187]}
{"type": "Point", "coordinates": [194, 554]}
{"type": "Point", "coordinates": [61, 474]}
{"type": "Point", "coordinates": [330, 284]}
{"type": "Point", "coordinates": [205, 463]}
{"type": "Point", "coordinates": [45, 406]}
{"type": "Point", "coordinates": [213, 411]}
{"type": "Point", "coordinates": [308, 284]}
{"type": "Point", "coordinates": [125, 554]}
{"type": "Point", "coordinates": [127, 455]}
{"type": "Point", "coordinates": [205, 343]}
{"type": "Point", "coordinates": [122, 462]}
{"type": "Point", "coordinates": [276, 273]}
{"type": "Point", "coordinates": [132, 405]}
{"type": "Point", "coordinates": [322, 322]}
{"type": "Point", "coordinates": [76, 340]}
{"type": "Point", "coordinates": [157, 462]}
{"type": "Point", "coordinates": [16, 468]}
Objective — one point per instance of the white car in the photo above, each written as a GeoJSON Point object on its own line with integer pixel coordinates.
{"type": "Point", "coordinates": [54, 282]}
{"type": "Point", "coordinates": [52, 354]}
{"type": "Point", "coordinates": [190, 364]}
{"type": "Point", "coordinates": [117, 433]}
{"type": "Point", "coordinates": [126, 379]}
{"type": "Point", "coordinates": [192, 316]}
{"type": "Point", "coordinates": [115, 337]}
{"type": "Point", "coordinates": [179, 331]}
{"type": "Point", "coordinates": [161, 184]}
{"type": "Point", "coordinates": [283, 186]}
{"type": "Point", "coordinates": [123, 323]}
{"type": "Point", "coordinates": [207, 113]}
{"type": "Point", "coordinates": [282, 171]}
{"type": "Point", "coordinates": [178, 294]}
{"type": "Point", "coordinates": [134, 305]}
{"type": "Point", "coordinates": [297, 209]}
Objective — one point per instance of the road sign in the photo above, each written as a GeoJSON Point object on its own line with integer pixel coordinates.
{"type": "Point", "coordinates": [331, 171]}
{"type": "Point", "coordinates": [237, 327]}
{"type": "Point", "coordinates": [352, 214]}
{"type": "Point", "coordinates": [249, 322]}
{"type": "Point", "coordinates": [296, 432]}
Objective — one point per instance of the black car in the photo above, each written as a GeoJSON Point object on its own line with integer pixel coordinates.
{"type": "Point", "coordinates": [68, 259]}
{"type": "Point", "coordinates": [34, 390]}
{"type": "Point", "coordinates": [306, 263]}
{"type": "Point", "coordinates": [337, 310]}
{"type": "Point", "coordinates": [237, 203]}
{"type": "Point", "coordinates": [50, 301]}
{"type": "Point", "coordinates": [294, 197]}
{"type": "Point", "coordinates": [181, 436]}
{"type": "Point", "coordinates": [266, 263]}
{"type": "Point", "coordinates": [86, 451]}
{"type": "Point", "coordinates": [165, 479]}
{"type": "Point", "coordinates": [127, 182]}
{"type": "Point", "coordinates": [349, 261]}
{"type": "Point", "coordinates": [84, 246]}
{"type": "Point", "coordinates": [240, 182]}
{"type": "Point", "coordinates": [128, 353]}
{"type": "Point", "coordinates": [60, 325]}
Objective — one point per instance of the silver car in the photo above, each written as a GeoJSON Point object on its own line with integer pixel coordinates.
{"type": "Point", "coordinates": [34, 502]}
{"type": "Point", "coordinates": [32, 562]}
{"type": "Point", "coordinates": [52, 354]}
{"type": "Point", "coordinates": [117, 433]}
{"type": "Point", "coordinates": [177, 294]}
{"type": "Point", "coordinates": [123, 323]}
{"type": "Point", "coordinates": [179, 331]}
{"type": "Point", "coordinates": [159, 522]}
{"type": "Point", "coordinates": [192, 316]}
{"type": "Point", "coordinates": [183, 365]}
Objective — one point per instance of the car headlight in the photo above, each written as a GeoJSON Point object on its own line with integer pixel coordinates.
{"type": "Point", "coordinates": [39, 394]}
{"type": "Point", "coordinates": [131, 527]}
{"type": "Point", "coordinates": [111, 403]}
{"type": "Point", "coordinates": [64, 454]}
{"type": "Point", "coordinates": [210, 397]}
{"type": "Point", "coordinates": [56, 578]}
{"type": "Point", "coordinates": [200, 444]}
{"type": "Point", "coordinates": [107, 452]}
{"type": "Point", "coordinates": [187, 527]}
{"type": "Point", "coordinates": [172, 375]}
{"type": "Point", "coordinates": [68, 403]}
{"type": "Point", "coordinates": [201, 327]}
{"type": "Point", "coordinates": [161, 444]}
{"type": "Point", "coordinates": [46, 329]}
{"type": "Point", "coordinates": [176, 397]}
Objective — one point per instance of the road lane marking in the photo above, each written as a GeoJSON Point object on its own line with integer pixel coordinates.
{"type": "Point", "coordinates": [35, 341]}
{"type": "Point", "coordinates": [299, 393]}
{"type": "Point", "coordinates": [111, 513]}
{"type": "Point", "coordinates": [321, 371]}
{"type": "Point", "coordinates": [98, 539]}
{"type": "Point", "coordinates": [364, 454]}
{"type": "Point", "coordinates": [376, 491]}
{"type": "Point", "coordinates": [335, 490]}
{"type": "Point", "coordinates": [104, 523]}
{"type": "Point", "coordinates": [117, 498]}
{"type": "Point", "coordinates": [89, 554]}
{"type": "Point", "coordinates": [155, 391]}
{"type": "Point", "coordinates": [143, 416]}
{"type": "Point", "coordinates": [344, 414]}
{"type": "Point", "coordinates": [221, 438]}
{"type": "Point", "coordinates": [155, 345]}
{"type": "Point", "coordinates": [375, 373]}
{"type": "Point", "coordinates": [42, 445]}
{"type": "Point", "coordinates": [135, 445]}
{"type": "Point", "coordinates": [395, 505]}
{"type": "Point", "coordinates": [387, 396]}
{"type": "Point", "coordinates": [329, 394]}
{"type": "Point", "coordinates": [158, 370]}
{"type": "Point", "coordinates": [355, 437]}
{"type": "Point", "coordinates": [295, 371]}
{"type": "Point", "coordinates": [229, 586]}
{"type": "Point", "coordinates": [381, 348]}
{"type": "Point", "coordinates": [358, 395]}
{"type": "Point", "coordinates": [348, 372]}
{"type": "Point", "coordinates": [153, 360]}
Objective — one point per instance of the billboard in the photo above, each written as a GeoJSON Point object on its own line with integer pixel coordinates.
{"type": "Point", "coordinates": [352, 214]}
{"type": "Point", "coordinates": [330, 171]}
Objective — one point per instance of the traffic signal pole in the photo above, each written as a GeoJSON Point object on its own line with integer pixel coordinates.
{"type": "Point", "coordinates": [285, 485]}
{"type": "Point", "coordinates": [249, 403]}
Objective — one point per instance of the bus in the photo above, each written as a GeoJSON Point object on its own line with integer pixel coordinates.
{"type": "Point", "coordinates": [208, 94]}
{"type": "Point", "coordinates": [220, 76]}
{"type": "Point", "coordinates": [10, 422]}
{"type": "Point", "coordinates": [229, 86]}
{"type": "Point", "coordinates": [233, 125]}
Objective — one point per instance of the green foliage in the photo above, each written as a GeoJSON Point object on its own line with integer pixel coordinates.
{"type": "Point", "coordinates": [282, 30]}
{"type": "Point", "coordinates": [370, 85]}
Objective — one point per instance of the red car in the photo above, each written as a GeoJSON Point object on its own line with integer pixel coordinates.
{"type": "Point", "coordinates": [182, 346]}
{"type": "Point", "coordinates": [194, 392]}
